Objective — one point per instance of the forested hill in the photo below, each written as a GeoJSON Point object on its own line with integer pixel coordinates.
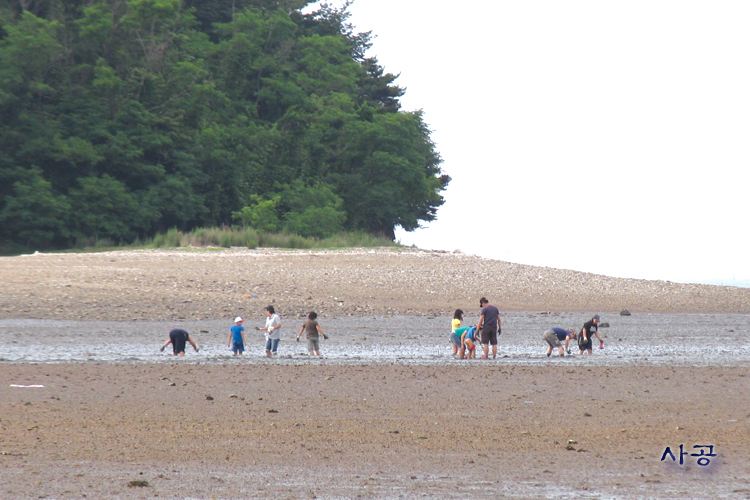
{"type": "Point", "coordinates": [124, 118]}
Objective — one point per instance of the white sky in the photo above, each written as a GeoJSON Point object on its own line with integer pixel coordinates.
{"type": "Point", "coordinates": [600, 136]}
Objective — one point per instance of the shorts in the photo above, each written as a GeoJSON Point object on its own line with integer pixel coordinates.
{"type": "Point", "coordinates": [551, 337]}
{"type": "Point", "coordinates": [272, 345]}
{"type": "Point", "coordinates": [455, 339]}
{"type": "Point", "coordinates": [584, 346]}
{"type": "Point", "coordinates": [179, 339]}
{"type": "Point", "coordinates": [238, 347]}
{"type": "Point", "coordinates": [313, 344]}
{"type": "Point", "coordinates": [489, 335]}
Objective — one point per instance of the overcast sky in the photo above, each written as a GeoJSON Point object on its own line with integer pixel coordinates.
{"type": "Point", "coordinates": [609, 137]}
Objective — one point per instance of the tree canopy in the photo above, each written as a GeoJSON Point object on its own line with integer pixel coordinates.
{"type": "Point", "coordinates": [124, 118]}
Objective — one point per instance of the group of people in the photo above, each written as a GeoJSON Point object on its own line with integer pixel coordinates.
{"type": "Point", "coordinates": [556, 336]}
{"type": "Point", "coordinates": [464, 339]}
{"type": "Point", "coordinates": [272, 329]}
{"type": "Point", "coordinates": [486, 331]}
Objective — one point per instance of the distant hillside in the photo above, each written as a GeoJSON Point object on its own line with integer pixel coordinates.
{"type": "Point", "coordinates": [124, 119]}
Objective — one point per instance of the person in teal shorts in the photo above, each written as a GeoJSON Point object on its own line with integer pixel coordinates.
{"type": "Point", "coordinates": [468, 343]}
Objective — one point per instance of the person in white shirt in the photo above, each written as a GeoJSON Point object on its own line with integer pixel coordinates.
{"type": "Point", "coordinates": [273, 331]}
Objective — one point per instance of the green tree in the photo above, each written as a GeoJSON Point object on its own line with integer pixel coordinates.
{"type": "Point", "coordinates": [103, 208]}
{"type": "Point", "coordinates": [134, 116]}
{"type": "Point", "coordinates": [35, 216]}
{"type": "Point", "coordinates": [312, 210]}
{"type": "Point", "coordinates": [392, 177]}
{"type": "Point", "coordinates": [176, 203]}
{"type": "Point", "coordinates": [261, 214]}
{"type": "Point", "coordinates": [318, 222]}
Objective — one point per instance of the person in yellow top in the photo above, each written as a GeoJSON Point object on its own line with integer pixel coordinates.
{"type": "Point", "coordinates": [457, 330]}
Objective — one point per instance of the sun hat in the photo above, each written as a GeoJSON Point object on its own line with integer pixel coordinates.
{"type": "Point", "coordinates": [238, 320]}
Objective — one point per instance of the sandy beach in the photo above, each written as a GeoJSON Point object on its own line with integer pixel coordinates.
{"type": "Point", "coordinates": [192, 427]}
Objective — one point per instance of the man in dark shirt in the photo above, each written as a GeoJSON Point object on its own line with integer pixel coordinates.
{"type": "Point", "coordinates": [489, 326]}
{"type": "Point", "coordinates": [178, 338]}
{"type": "Point", "coordinates": [584, 340]}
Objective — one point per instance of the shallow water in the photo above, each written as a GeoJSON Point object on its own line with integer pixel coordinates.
{"type": "Point", "coordinates": [641, 339]}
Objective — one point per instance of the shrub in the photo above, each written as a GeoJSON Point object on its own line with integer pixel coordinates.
{"type": "Point", "coordinates": [170, 239]}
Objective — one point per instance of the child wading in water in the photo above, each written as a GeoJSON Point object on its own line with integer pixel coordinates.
{"type": "Point", "coordinates": [237, 336]}
{"type": "Point", "coordinates": [312, 330]}
{"type": "Point", "coordinates": [468, 343]}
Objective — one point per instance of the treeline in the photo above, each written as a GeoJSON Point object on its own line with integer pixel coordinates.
{"type": "Point", "coordinates": [121, 119]}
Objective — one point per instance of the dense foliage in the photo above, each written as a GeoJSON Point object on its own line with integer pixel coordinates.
{"type": "Point", "coordinates": [125, 118]}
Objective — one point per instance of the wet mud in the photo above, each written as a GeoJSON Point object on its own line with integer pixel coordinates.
{"type": "Point", "coordinates": [94, 410]}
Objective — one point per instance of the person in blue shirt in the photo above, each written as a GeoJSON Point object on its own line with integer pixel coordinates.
{"type": "Point", "coordinates": [468, 342]}
{"type": "Point", "coordinates": [555, 336]}
{"type": "Point", "coordinates": [237, 336]}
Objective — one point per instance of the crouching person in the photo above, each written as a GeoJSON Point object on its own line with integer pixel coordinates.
{"type": "Point", "coordinates": [554, 338]}
{"type": "Point", "coordinates": [468, 344]}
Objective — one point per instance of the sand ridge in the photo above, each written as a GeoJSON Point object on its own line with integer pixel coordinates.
{"type": "Point", "coordinates": [210, 284]}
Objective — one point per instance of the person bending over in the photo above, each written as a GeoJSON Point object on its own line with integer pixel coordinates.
{"type": "Point", "coordinates": [555, 336]}
{"type": "Point", "coordinates": [178, 338]}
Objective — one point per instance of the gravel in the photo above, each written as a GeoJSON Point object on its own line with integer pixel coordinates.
{"type": "Point", "coordinates": [181, 284]}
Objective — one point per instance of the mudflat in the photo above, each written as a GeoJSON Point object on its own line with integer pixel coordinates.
{"type": "Point", "coordinates": [323, 429]}
{"type": "Point", "coordinates": [332, 431]}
